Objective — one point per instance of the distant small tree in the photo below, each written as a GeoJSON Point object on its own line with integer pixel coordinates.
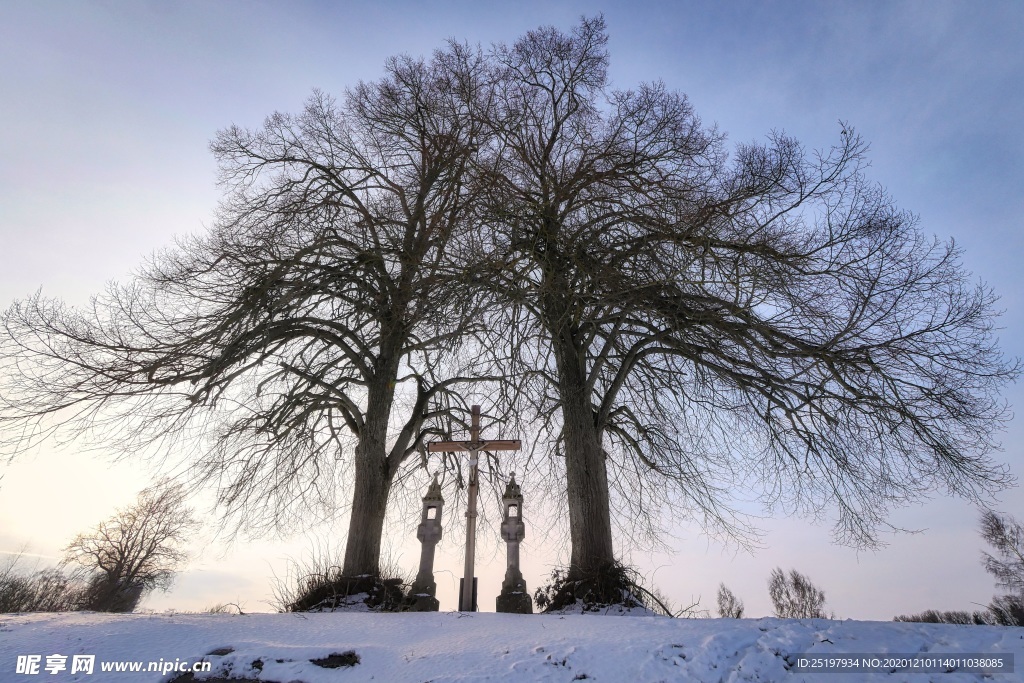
{"type": "Point", "coordinates": [795, 597]}
{"type": "Point", "coordinates": [1006, 535]}
{"type": "Point", "coordinates": [135, 551]}
{"type": "Point", "coordinates": [729, 606]}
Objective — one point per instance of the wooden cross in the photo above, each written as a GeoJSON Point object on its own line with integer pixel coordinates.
{"type": "Point", "coordinates": [474, 446]}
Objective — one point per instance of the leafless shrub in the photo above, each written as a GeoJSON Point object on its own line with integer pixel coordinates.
{"type": "Point", "coordinates": [729, 606]}
{"type": "Point", "coordinates": [953, 617]}
{"type": "Point", "coordinates": [318, 584]}
{"type": "Point", "coordinates": [1007, 610]}
{"type": "Point", "coordinates": [224, 608]}
{"type": "Point", "coordinates": [46, 590]}
{"type": "Point", "coordinates": [795, 597]}
{"type": "Point", "coordinates": [613, 585]}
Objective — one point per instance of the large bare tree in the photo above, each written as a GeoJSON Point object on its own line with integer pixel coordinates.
{"type": "Point", "coordinates": [696, 323]}
{"type": "Point", "coordinates": [312, 327]}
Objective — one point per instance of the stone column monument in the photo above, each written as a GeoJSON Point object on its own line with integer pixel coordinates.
{"type": "Point", "coordinates": [514, 597]}
{"type": "Point", "coordinates": [424, 588]}
{"type": "Point", "coordinates": [468, 602]}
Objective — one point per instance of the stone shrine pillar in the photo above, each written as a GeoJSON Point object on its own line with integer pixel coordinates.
{"type": "Point", "coordinates": [514, 598]}
{"type": "Point", "coordinates": [424, 588]}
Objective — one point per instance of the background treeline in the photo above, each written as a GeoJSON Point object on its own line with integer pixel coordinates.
{"type": "Point", "coordinates": [112, 567]}
{"type": "Point", "coordinates": [795, 597]}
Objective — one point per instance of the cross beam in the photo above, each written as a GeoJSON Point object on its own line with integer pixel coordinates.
{"type": "Point", "coordinates": [492, 445]}
{"type": "Point", "coordinates": [473, 446]}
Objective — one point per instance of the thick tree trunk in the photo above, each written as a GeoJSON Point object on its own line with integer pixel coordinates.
{"type": "Point", "coordinates": [373, 477]}
{"type": "Point", "coordinates": [590, 527]}
{"type": "Point", "coordinates": [366, 525]}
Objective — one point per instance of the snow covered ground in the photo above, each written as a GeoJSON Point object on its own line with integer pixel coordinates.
{"type": "Point", "coordinates": [451, 646]}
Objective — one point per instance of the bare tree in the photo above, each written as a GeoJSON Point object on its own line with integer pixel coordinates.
{"type": "Point", "coordinates": [1006, 535]}
{"type": "Point", "coordinates": [304, 340]}
{"type": "Point", "coordinates": [795, 597]}
{"type": "Point", "coordinates": [137, 550]}
{"type": "Point", "coordinates": [729, 606]}
{"type": "Point", "coordinates": [378, 304]}
{"type": "Point", "coordinates": [692, 323]}
{"type": "Point", "coordinates": [560, 178]}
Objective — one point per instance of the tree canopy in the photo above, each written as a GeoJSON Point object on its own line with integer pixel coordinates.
{"type": "Point", "coordinates": [680, 320]}
{"type": "Point", "coordinates": [283, 337]}
{"type": "Point", "coordinates": [704, 320]}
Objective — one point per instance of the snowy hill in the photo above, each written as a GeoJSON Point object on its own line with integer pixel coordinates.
{"type": "Point", "coordinates": [450, 646]}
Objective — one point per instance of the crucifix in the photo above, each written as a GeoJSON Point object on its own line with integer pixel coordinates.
{"type": "Point", "coordinates": [474, 446]}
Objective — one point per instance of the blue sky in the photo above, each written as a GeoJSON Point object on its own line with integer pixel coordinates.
{"type": "Point", "coordinates": [107, 109]}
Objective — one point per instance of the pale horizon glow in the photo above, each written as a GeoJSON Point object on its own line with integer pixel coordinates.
{"type": "Point", "coordinates": [108, 109]}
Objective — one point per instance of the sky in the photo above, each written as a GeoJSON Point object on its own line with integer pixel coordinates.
{"type": "Point", "coordinates": [106, 114]}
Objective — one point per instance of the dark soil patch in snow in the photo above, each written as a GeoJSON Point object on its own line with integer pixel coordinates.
{"type": "Point", "coordinates": [337, 660]}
